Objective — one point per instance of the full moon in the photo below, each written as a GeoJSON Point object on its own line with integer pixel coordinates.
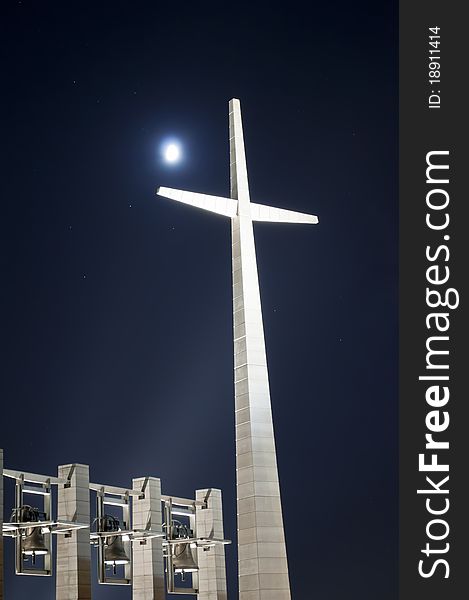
{"type": "Point", "coordinates": [172, 153]}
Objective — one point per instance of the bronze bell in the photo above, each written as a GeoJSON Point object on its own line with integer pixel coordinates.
{"type": "Point", "coordinates": [183, 559]}
{"type": "Point", "coordinates": [34, 543]}
{"type": "Point", "coordinates": [114, 552]}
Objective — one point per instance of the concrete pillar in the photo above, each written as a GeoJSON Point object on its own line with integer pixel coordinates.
{"type": "Point", "coordinates": [209, 523]}
{"type": "Point", "coordinates": [73, 580]}
{"type": "Point", "coordinates": [262, 557]}
{"type": "Point", "coordinates": [148, 567]}
{"type": "Point", "coordinates": [1, 524]}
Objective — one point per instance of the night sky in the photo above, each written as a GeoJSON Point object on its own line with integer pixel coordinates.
{"type": "Point", "coordinates": [116, 304]}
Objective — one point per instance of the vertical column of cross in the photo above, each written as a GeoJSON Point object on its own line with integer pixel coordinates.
{"type": "Point", "coordinates": [73, 580]}
{"type": "Point", "coordinates": [211, 561]}
{"type": "Point", "coordinates": [1, 524]}
{"type": "Point", "coordinates": [262, 559]}
{"type": "Point", "coordinates": [148, 568]}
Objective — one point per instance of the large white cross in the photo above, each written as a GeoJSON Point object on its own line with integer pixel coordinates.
{"type": "Point", "coordinates": [263, 567]}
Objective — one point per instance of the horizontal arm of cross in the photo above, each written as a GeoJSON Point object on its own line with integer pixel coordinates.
{"type": "Point", "coordinates": [229, 207]}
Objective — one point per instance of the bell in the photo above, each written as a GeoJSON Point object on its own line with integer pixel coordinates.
{"type": "Point", "coordinates": [34, 543]}
{"type": "Point", "coordinates": [114, 552]}
{"type": "Point", "coordinates": [183, 559]}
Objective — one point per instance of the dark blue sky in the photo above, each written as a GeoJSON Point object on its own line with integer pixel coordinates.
{"type": "Point", "coordinates": [117, 339]}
